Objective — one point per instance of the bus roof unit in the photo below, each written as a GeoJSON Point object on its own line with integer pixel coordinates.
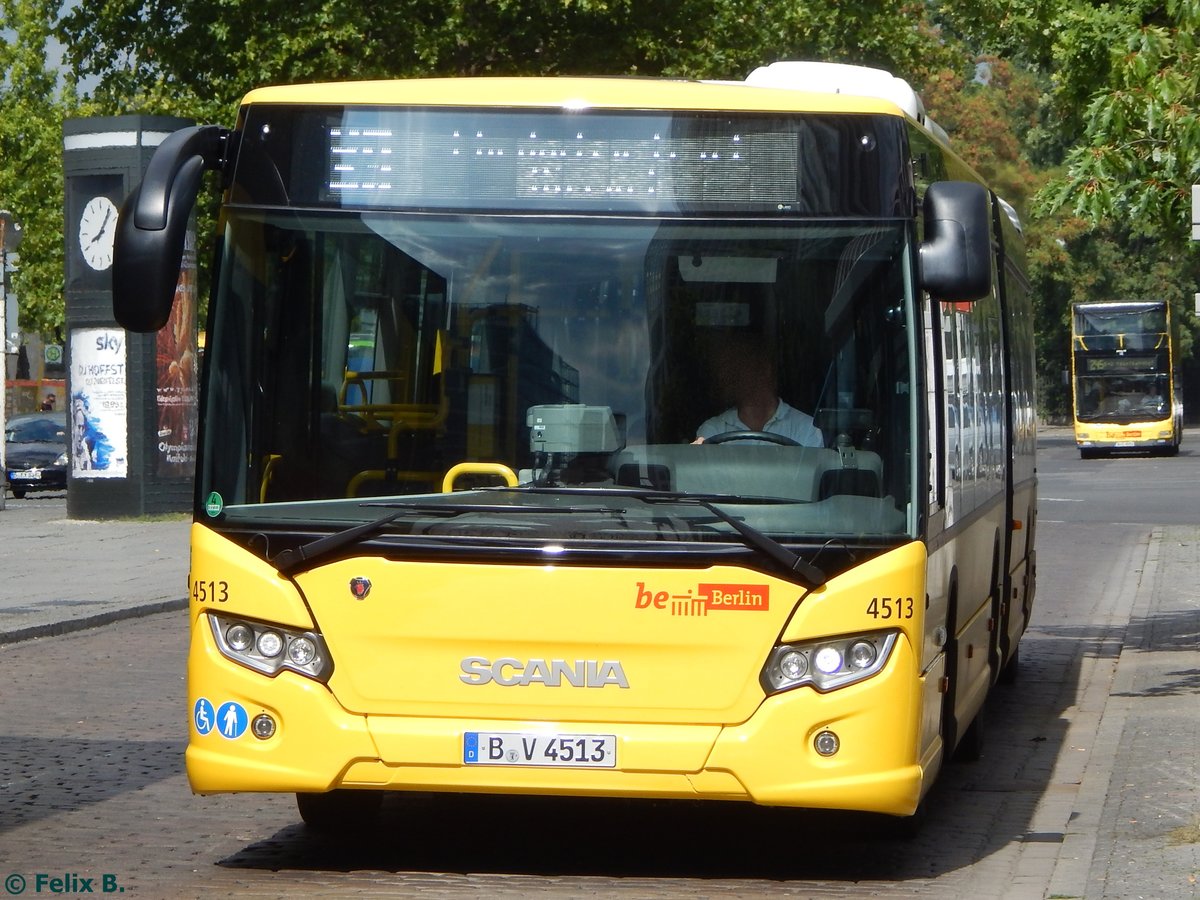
{"type": "Point", "coordinates": [839, 78]}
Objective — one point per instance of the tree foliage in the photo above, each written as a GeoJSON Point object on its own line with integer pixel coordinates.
{"type": "Point", "coordinates": [1129, 76]}
{"type": "Point", "coordinates": [988, 116]}
{"type": "Point", "coordinates": [195, 57]}
{"type": "Point", "coordinates": [32, 107]}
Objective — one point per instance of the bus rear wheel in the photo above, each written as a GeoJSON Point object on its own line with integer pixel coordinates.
{"type": "Point", "coordinates": [340, 810]}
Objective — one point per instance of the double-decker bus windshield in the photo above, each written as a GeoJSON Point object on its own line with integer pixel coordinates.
{"type": "Point", "coordinates": [359, 355]}
{"type": "Point", "coordinates": [1123, 370]}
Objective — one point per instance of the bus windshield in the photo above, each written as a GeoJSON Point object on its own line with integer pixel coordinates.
{"type": "Point", "coordinates": [364, 354]}
{"type": "Point", "coordinates": [1122, 362]}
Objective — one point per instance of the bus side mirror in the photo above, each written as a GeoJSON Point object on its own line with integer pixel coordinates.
{"type": "Point", "coordinates": [152, 226]}
{"type": "Point", "coordinates": [956, 258]}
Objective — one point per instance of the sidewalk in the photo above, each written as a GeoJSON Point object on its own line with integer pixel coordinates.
{"type": "Point", "coordinates": [62, 574]}
{"type": "Point", "coordinates": [1143, 783]}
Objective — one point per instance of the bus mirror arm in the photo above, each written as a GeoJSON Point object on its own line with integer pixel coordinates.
{"type": "Point", "coordinates": [957, 253]}
{"type": "Point", "coordinates": [152, 226]}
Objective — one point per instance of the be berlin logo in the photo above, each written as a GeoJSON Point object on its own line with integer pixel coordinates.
{"type": "Point", "coordinates": [67, 883]}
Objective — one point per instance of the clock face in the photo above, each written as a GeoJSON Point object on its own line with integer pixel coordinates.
{"type": "Point", "coordinates": [97, 226]}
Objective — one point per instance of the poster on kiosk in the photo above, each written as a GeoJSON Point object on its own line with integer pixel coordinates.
{"type": "Point", "coordinates": [99, 436]}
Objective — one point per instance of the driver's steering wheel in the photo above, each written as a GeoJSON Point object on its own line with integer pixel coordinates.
{"type": "Point", "coordinates": [768, 436]}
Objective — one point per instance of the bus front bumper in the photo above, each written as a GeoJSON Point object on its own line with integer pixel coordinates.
{"type": "Point", "coordinates": [771, 759]}
{"type": "Point", "coordinates": [1134, 437]}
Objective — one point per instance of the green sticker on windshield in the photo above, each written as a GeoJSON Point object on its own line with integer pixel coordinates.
{"type": "Point", "coordinates": [214, 504]}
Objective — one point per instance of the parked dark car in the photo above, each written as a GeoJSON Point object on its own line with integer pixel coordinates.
{"type": "Point", "coordinates": [36, 452]}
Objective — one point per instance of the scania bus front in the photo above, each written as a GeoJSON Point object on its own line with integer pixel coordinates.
{"type": "Point", "coordinates": [454, 529]}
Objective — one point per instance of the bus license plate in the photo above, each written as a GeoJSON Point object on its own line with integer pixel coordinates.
{"type": "Point", "coordinates": [587, 751]}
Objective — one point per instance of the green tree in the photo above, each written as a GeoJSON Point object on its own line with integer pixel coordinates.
{"type": "Point", "coordinates": [1129, 76]}
{"type": "Point", "coordinates": [988, 116]}
{"type": "Point", "coordinates": [32, 107]}
{"type": "Point", "coordinates": [197, 58]}
{"type": "Point", "coordinates": [1118, 136]}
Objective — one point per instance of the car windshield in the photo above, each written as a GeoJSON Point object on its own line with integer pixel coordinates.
{"type": "Point", "coordinates": [548, 378]}
{"type": "Point", "coordinates": [29, 431]}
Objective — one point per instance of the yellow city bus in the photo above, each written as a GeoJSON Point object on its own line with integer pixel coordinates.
{"type": "Point", "coordinates": [455, 528]}
{"type": "Point", "coordinates": [1125, 378]}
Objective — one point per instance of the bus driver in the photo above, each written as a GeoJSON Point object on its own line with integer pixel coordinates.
{"type": "Point", "coordinates": [748, 372]}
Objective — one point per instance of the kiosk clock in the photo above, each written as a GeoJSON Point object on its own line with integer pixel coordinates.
{"type": "Point", "coordinates": [97, 226]}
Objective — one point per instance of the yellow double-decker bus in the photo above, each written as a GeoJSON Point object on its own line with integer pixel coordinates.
{"type": "Point", "coordinates": [597, 437]}
{"type": "Point", "coordinates": [1125, 378]}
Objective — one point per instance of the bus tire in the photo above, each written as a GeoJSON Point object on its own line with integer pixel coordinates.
{"type": "Point", "coordinates": [339, 810]}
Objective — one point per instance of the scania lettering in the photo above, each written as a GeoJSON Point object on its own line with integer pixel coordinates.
{"type": "Point", "coordinates": [457, 478]}
{"type": "Point", "coordinates": [552, 673]}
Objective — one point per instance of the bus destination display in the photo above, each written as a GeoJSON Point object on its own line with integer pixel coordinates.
{"type": "Point", "coordinates": [621, 163]}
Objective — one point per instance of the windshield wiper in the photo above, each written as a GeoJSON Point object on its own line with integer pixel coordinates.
{"type": "Point", "coordinates": [768, 546]}
{"type": "Point", "coordinates": [293, 560]}
{"type": "Point", "coordinates": [791, 562]}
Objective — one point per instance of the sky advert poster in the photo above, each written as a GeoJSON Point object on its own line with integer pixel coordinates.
{"type": "Point", "coordinates": [99, 434]}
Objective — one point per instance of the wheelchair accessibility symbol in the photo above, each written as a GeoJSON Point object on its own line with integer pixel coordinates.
{"type": "Point", "coordinates": [204, 716]}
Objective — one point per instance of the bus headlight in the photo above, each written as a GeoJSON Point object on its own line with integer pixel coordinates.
{"type": "Point", "coordinates": [861, 655]}
{"type": "Point", "coordinates": [793, 665]}
{"type": "Point", "coordinates": [828, 664]}
{"type": "Point", "coordinates": [239, 637]}
{"type": "Point", "coordinates": [269, 644]}
{"type": "Point", "coordinates": [270, 648]}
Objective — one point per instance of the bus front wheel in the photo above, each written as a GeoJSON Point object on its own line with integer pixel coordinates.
{"type": "Point", "coordinates": [340, 810]}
